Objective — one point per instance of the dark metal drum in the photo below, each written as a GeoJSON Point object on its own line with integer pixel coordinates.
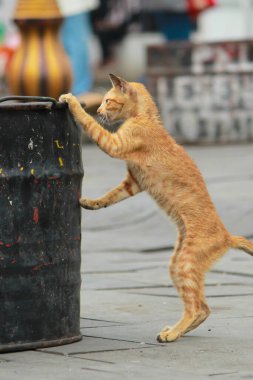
{"type": "Point", "coordinates": [40, 182]}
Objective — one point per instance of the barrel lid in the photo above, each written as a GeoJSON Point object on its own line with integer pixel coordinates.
{"type": "Point", "coordinates": [37, 9]}
{"type": "Point", "coordinates": [30, 102]}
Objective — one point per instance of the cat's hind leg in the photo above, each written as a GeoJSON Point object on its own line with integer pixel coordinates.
{"type": "Point", "coordinates": [174, 258]}
{"type": "Point", "coordinates": [127, 188]}
{"type": "Point", "coordinates": [189, 281]}
{"type": "Point", "coordinates": [173, 267]}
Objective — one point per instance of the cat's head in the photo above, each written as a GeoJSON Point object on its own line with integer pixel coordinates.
{"type": "Point", "coordinates": [119, 103]}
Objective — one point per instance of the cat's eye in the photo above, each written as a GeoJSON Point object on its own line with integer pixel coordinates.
{"type": "Point", "coordinates": [107, 101]}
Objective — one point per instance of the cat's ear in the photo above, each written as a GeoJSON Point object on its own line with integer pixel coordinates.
{"type": "Point", "coordinates": [120, 83]}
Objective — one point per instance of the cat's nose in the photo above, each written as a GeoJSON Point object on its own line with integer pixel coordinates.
{"type": "Point", "coordinates": [99, 110]}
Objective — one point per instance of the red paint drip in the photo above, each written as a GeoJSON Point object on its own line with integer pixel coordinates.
{"type": "Point", "coordinates": [9, 245]}
{"type": "Point", "coordinates": [36, 215]}
{"type": "Point", "coordinates": [40, 266]}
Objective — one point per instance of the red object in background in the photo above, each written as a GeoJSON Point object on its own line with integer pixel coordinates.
{"type": "Point", "coordinates": [5, 57]}
{"type": "Point", "coordinates": [196, 6]}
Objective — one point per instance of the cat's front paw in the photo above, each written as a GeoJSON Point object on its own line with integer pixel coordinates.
{"type": "Point", "coordinates": [89, 204]}
{"type": "Point", "coordinates": [66, 98]}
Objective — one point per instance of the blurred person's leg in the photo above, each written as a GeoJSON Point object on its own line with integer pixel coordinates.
{"type": "Point", "coordinates": [75, 33]}
{"type": "Point", "coordinates": [175, 25]}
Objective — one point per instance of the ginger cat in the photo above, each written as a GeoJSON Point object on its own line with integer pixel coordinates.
{"type": "Point", "coordinates": [156, 164]}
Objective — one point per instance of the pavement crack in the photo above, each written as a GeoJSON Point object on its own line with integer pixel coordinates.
{"type": "Point", "coordinates": [230, 295]}
{"type": "Point", "coordinates": [229, 179]}
{"type": "Point", "coordinates": [138, 287]}
{"type": "Point", "coordinates": [74, 354]}
{"type": "Point", "coordinates": [232, 273]}
{"type": "Point", "coordinates": [96, 327]}
{"type": "Point", "coordinates": [129, 250]}
{"type": "Point", "coordinates": [221, 373]}
{"type": "Point", "coordinates": [45, 351]}
{"type": "Point", "coordinates": [132, 270]}
{"type": "Point", "coordinates": [95, 360]}
{"type": "Point", "coordinates": [121, 340]}
{"type": "Point", "coordinates": [96, 370]}
{"type": "Point", "coordinates": [208, 296]}
{"type": "Point", "coordinates": [157, 249]}
{"type": "Point", "coordinates": [101, 320]}
{"type": "Point", "coordinates": [165, 286]}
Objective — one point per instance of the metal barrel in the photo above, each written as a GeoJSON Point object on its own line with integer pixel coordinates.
{"type": "Point", "coordinates": [40, 183]}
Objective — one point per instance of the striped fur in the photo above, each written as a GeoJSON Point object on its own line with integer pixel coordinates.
{"type": "Point", "coordinates": [156, 164]}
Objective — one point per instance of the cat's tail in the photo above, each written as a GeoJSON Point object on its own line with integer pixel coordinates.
{"type": "Point", "coordinates": [240, 242]}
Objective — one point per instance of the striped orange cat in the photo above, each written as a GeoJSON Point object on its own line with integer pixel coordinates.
{"type": "Point", "coordinates": [158, 165]}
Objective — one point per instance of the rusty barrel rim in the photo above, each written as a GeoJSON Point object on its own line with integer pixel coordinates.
{"type": "Point", "coordinates": [11, 347]}
{"type": "Point", "coordinates": [30, 102]}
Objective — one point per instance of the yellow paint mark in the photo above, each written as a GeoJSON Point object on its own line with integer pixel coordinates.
{"type": "Point", "coordinates": [1, 171]}
{"type": "Point", "coordinates": [59, 146]}
{"type": "Point", "coordinates": [32, 171]}
{"type": "Point", "coordinates": [21, 169]}
{"type": "Point", "coordinates": [61, 161]}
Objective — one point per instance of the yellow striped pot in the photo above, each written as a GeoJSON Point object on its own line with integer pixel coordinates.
{"type": "Point", "coordinates": [40, 66]}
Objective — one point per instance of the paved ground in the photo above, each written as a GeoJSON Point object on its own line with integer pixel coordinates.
{"type": "Point", "coordinates": [127, 296]}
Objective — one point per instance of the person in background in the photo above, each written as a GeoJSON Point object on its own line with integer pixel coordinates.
{"type": "Point", "coordinates": [110, 23]}
{"type": "Point", "coordinates": [75, 32]}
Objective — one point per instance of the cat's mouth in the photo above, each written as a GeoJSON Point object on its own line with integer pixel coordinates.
{"type": "Point", "coordinates": [104, 119]}
{"type": "Point", "coordinates": [108, 123]}
{"type": "Point", "coordinates": [108, 118]}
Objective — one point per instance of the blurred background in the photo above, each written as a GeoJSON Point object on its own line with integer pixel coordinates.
{"type": "Point", "coordinates": [195, 57]}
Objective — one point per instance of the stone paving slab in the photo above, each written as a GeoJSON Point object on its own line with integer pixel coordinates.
{"type": "Point", "coordinates": [127, 295]}
{"type": "Point", "coordinates": [43, 366]}
{"type": "Point", "coordinates": [207, 360]}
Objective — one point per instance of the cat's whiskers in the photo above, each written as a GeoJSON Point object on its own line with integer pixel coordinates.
{"type": "Point", "coordinates": [101, 119]}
